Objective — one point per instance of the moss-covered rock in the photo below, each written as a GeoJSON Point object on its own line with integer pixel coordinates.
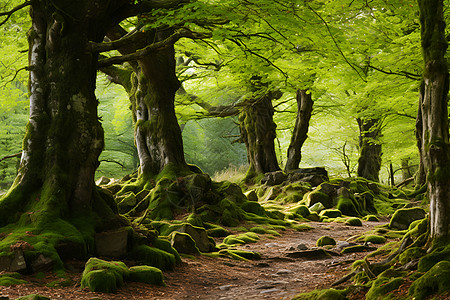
{"type": "Point", "coordinates": [345, 204]}
{"type": "Point", "coordinates": [353, 222]}
{"type": "Point", "coordinates": [325, 240]}
{"type": "Point", "coordinates": [402, 218]}
{"type": "Point", "coordinates": [8, 279]}
{"type": "Point", "coordinates": [371, 218]}
{"type": "Point", "coordinates": [329, 294]}
{"type": "Point", "coordinates": [183, 243]}
{"type": "Point", "coordinates": [245, 238]}
{"type": "Point", "coordinates": [301, 210]}
{"type": "Point", "coordinates": [239, 254]}
{"type": "Point", "coordinates": [103, 276]}
{"type": "Point", "coordinates": [330, 213]}
{"type": "Point", "coordinates": [318, 196]}
{"type": "Point", "coordinates": [154, 257]}
{"type": "Point", "coordinates": [216, 230]}
{"type": "Point", "coordinates": [375, 239]}
{"type": "Point", "coordinates": [146, 274]}
{"type": "Point", "coordinates": [435, 281]}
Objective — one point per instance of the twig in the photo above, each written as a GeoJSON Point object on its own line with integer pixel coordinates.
{"type": "Point", "coordinates": [8, 14]}
{"type": "Point", "coordinates": [11, 156]}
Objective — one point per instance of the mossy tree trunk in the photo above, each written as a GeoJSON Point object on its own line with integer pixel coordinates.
{"type": "Point", "coordinates": [258, 133]}
{"type": "Point", "coordinates": [152, 87]}
{"type": "Point", "coordinates": [420, 176]}
{"type": "Point", "coordinates": [369, 162]}
{"type": "Point", "coordinates": [433, 107]}
{"type": "Point", "coordinates": [300, 134]}
{"type": "Point", "coordinates": [55, 188]}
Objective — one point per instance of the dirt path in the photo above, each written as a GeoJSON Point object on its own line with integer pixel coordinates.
{"type": "Point", "coordinates": [274, 276]}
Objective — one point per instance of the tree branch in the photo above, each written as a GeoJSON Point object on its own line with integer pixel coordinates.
{"type": "Point", "coordinates": [181, 33]}
{"type": "Point", "coordinates": [11, 156]}
{"type": "Point", "coordinates": [8, 14]}
{"type": "Point", "coordinates": [399, 73]}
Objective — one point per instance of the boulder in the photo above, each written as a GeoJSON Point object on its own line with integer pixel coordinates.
{"type": "Point", "coordinates": [251, 195]}
{"type": "Point", "coordinates": [314, 180]}
{"type": "Point", "coordinates": [102, 180]}
{"type": "Point", "coordinates": [274, 178]}
{"type": "Point", "coordinates": [14, 262]}
{"type": "Point", "coordinates": [198, 234]}
{"type": "Point", "coordinates": [316, 197]}
{"type": "Point", "coordinates": [183, 243]}
{"type": "Point", "coordinates": [42, 264]}
{"type": "Point", "coordinates": [402, 218]}
{"type": "Point", "coordinates": [331, 213]}
{"type": "Point", "coordinates": [112, 243]}
{"type": "Point", "coordinates": [325, 241]}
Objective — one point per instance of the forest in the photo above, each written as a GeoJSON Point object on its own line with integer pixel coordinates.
{"type": "Point", "coordinates": [210, 149]}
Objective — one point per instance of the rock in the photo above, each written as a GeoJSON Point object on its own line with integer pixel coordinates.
{"type": "Point", "coordinates": [316, 197]}
{"type": "Point", "coordinates": [183, 243]}
{"type": "Point", "coordinates": [402, 218]}
{"type": "Point", "coordinates": [314, 180]}
{"type": "Point", "coordinates": [284, 272]}
{"type": "Point", "coordinates": [146, 274]}
{"type": "Point", "coordinates": [302, 247]}
{"type": "Point", "coordinates": [331, 213]}
{"type": "Point", "coordinates": [251, 195]}
{"type": "Point", "coordinates": [317, 207]}
{"type": "Point", "coordinates": [112, 243]}
{"type": "Point", "coordinates": [70, 250]}
{"type": "Point", "coordinates": [225, 287]}
{"type": "Point", "coordinates": [353, 222]}
{"type": "Point", "coordinates": [199, 235]}
{"type": "Point", "coordinates": [102, 180]}
{"type": "Point", "coordinates": [273, 178]}
{"type": "Point", "coordinates": [42, 264]}
{"type": "Point", "coordinates": [13, 263]}
{"type": "Point", "coordinates": [345, 204]}
{"type": "Point", "coordinates": [274, 290]}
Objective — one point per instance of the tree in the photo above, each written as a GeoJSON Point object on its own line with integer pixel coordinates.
{"type": "Point", "coordinates": [369, 162]}
{"type": "Point", "coordinates": [54, 192]}
{"type": "Point", "coordinates": [304, 111]}
{"type": "Point", "coordinates": [434, 117]}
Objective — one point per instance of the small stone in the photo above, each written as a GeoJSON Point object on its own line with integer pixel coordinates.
{"type": "Point", "coordinates": [225, 287]}
{"type": "Point", "coordinates": [274, 290]}
{"type": "Point", "coordinates": [271, 244]}
{"type": "Point", "coordinates": [284, 272]}
{"type": "Point", "coordinates": [302, 247]}
{"type": "Point", "coordinates": [262, 265]}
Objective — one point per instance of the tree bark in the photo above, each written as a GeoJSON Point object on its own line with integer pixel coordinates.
{"type": "Point", "coordinates": [433, 107]}
{"type": "Point", "coordinates": [369, 162]}
{"type": "Point", "coordinates": [300, 134]}
{"type": "Point", "coordinates": [420, 176]}
{"type": "Point", "coordinates": [258, 133]}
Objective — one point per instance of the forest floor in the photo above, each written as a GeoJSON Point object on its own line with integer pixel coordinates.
{"type": "Point", "coordinates": [274, 276]}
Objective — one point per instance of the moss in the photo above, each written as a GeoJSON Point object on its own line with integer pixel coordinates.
{"type": "Point", "coordinates": [331, 213]}
{"type": "Point", "coordinates": [371, 218]}
{"type": "Point", "coordinates": [434, 281]}
{"type": "Point", "coordinates": [239, 254]}
{"type": "Point", "coordinates": [375, 239]}
{"type": "Point", "coordinates": [216, 230]}
{"type": "Point", "coordinates": [258, 229]}
{"type": "Point", "coordinates": [245, 238]}
{"type": "Point", "coordinates": [154, 257]}
{"type": "Point", "coordinates": [8, 279]}
{"type": "Point", "coordinates": [353, 222]}
{"type": "Point", "coordinates": [146, 274]}
{"type": "Point", "coordinates": [402, 218]}
{"type": "Point", "coordinates": [437, 255]}
{"type": "Point", "coordinates": [411, 254]}
{"type": "Point", "coordinates": [324, 241]}
{"type": "Point", "coordinates": [328, 294]}
{"type": "Point", "coordinates": [382, 286]}
{"type": "Point", "coordinates": [167, 247]}
{"type": "Point", "coordinates": [318, 197]}
{"type": "Point", "coordinates": [195, 220]}
{"type": "Point", "coordinates": [253, 207]}
{"type": "Point", "coordinates": [347, 207]}
{"type": "Point", "coordinates": [103, 276]}
{"type": "Point", "coordinates": [301, 210]}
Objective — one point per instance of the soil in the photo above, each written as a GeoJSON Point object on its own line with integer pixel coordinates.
{"type": "Point", "coordinates": [275, 276]}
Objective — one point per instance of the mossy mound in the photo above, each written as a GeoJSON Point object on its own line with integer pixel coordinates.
{"type": "Point", "coordinates": [356, 248]}
{"type": "Point", "coordinates": [8, 279]}
{"type": "Point", "coordinates": [371, 218]}
{"type": "Point", "coordinates": [241, 239]}
{"type": "Point", "coordinates": [154, 257]}
{"type": "Point", "coordinates": [239, 254]}
{"type": "Point", "coordinates": [300, 210]}
{"type": "Point", "coordinates": [328, 294]}
{"type": "Point", "coordinates": [375, 239]}
{"type": "Point", "coordinates": [146, 274]}
{"type": "Point", "coordinates": [183, 243]}
{"type": "Point", "coordinates": [317, 196]}
{"type": "Point", "coordinates": [302, 227]}
{"type": "Point", "coordinates": [435, 281]}
{"type": "Point", "coordinates": [330, 213]}
{"type": "Point", "coordinates": [353, 222]}
{"type": "Point", "coordinates": [103, 276]}
{"type": "Point", "coordinates": [325, 240]}
{"type": "Point", "coordinates": [436, 256]}
{"type": "Point", "coordinates": [382, 286]}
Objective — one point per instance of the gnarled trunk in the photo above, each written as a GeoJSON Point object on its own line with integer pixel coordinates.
{"type": "Point", "coordinates": [369, 162]}
{"type": "Point", "coordinates": [258, 133]}
{"type": "Point", "coordinates": [300, 134]}
{"type": "Point", "coordinates": [433, 106]}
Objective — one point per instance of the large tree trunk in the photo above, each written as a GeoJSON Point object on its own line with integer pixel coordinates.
{"type": "Point", "coordinates": [152, 94]}
{"type": "Point", "coordinates": [258, 133]}
{"type": "Point", "coordinates": [433, 102]}
{"type": "Point", "coordinates": [64, 138]}
{"type": "Point", "coordinates": [369, 162]}
{"type": "Point", "coordinates": [300, 134]}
